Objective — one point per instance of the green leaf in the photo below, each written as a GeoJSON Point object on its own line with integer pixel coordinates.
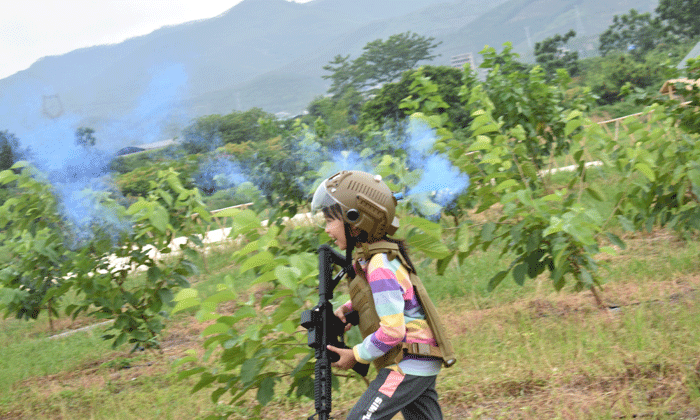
{"type": "Point", "coordinates": [595, 193]}
{"type": "Point", "coordinates": [519, 273]}
{"type": "Point", "coordinates": [429, 245]}
{"type": "Point", "coordinates": [249, 370]}
{"type": "Point", "coordinates": [266, 391]}
{"type": "Point", "coordinates": [215, 395]}
{"type": "Point", "coordinates": [488, 128]}
{"type": "Point", "coordinates": [555, 225]}
{"type": "Point", "coordinates": [463, 238]}
{"type": "Point", "coordinates": [186, 294]}
{"type": "Point", "coordinates": [245, 221]}
{"type": "Point", "coordinates": [221, 296]}
{"type": "Point", "coordinates": [552, 197]}
{"type": "Point", "coordinates": [505, 184]}
{"type": "Point", "coordinates": [190, 372]}
{"type": "Point", "coordinates": [288, 276]}
{"type": "Point", "coordinates": [217, 328]}
{"type": "Point", "coordinates": [646, 170]}
{"type": "Point", "coordinates": [257, 260]}
{"type": "Point", "coordinates": [159, 218]}
{"type": "Point", "coordinates": [481, 143]}
{"type": "Point", "coordinates": [285, 310]}
{"type": "Point", "coordinates": [426, 226]}
{"type": "Point", "coordinates": [534, 264]}
{"type": "Point", "coordinates": [185, 303]}
{"type": "Point", "coordinates": [153, 274]}
{"type": "Point", "coordinates": [571, 126]}
{"type": "Point", "coordinates": [615, 240]}
{"type": "Point", "coordinates": [608, 250]}
{"type": "Point", "coordinates": [166, 296]}
{"type": "Point", "coordinates": [443, 263]}
{"type": "Point", "coordinates": [487, 232]}
{"type": "Point", "coordinates": [496, 280]}
{"type": "Point", "coordinates": [205, 380]}
{"type": "Point", "coordinates": [558, 277]}
{"type": "Point", "coordinates": [626, 224]}
{"type": "Point", "coordinates": [227, 212]}
{"type": "Point", "coordinates": [121, 339]}
{"type": "Point", "coordinates": [243, 312]}
{"type": "Point", "coordinates": [305, 387]}
{"type": "Point", "coordinates": [7, 176]}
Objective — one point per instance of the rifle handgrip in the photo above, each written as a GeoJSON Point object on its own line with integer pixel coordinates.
{"type": "Point", "coordinates": [361, 368]}
{"type": "Point", "coordinates": [352, 318]}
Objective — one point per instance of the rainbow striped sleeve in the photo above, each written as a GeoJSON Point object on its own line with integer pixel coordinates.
{"type": "Point", "coordinates": [389, 301]}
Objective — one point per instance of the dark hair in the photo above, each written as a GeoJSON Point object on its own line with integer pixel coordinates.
{"type": "Point", "coordinates": [333, 212]}
{"type": "Point", "coordinates": [403, 249]}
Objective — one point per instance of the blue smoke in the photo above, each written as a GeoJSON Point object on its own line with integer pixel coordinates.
{"type": "Point", "coordinates": [441, 179]}
{"type": "Point", "coordinates": [440, 183]}
{"type": "Point", "coordinates": [80, 180]}
{"type": "Point", "coordinates": [344, 160]}
{"type": "Point", "coordinates": [80, 176]}
{"type": "Point", "coordinates": [218, 174]}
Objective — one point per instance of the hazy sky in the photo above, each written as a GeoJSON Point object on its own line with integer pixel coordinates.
{"type": "Point", "coordinates": [31, 29]}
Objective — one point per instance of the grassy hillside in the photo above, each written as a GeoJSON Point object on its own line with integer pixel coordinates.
{"type": "Point", "coordinates": [524, 352]}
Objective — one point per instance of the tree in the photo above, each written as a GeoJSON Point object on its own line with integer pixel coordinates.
{"type": "Point", "coordinates": [680, 17]}
{"type": "Point", "coordinates": [42, 261]}
{"type": "Point", "coordinates": [635, 32]}
{"type": "Point", "coordinates": [209, 132]}
{"type": "Point", "coordinates": [338, 112]}
{"type": "Point", "coordinates": [381, 62]}
{"type": "Point", "coordinates": [85, 137]}
{"type": "Point", "coordinates": [526, 99]}
{"type": "Point", "coordinates": [9, 150]}
{"type": "Point", "coordinates": [238, 127]}
{"type": "Point", "coordinates": [552, 55]}
{"type": "Point", "coordinates": [341, 74]}
{"type": "Point", "coordinates": [203, 135]}
{"type": "Point", "coordinates": [385, 107]}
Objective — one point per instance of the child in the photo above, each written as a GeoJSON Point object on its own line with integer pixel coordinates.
{"type": "Point", "coordinates": [398, 336]}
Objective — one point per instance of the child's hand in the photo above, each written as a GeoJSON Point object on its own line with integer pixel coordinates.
{"type": "Point", "coordinates": [347, 358]}
{"type": "Point", "coordinates": [340, 313]}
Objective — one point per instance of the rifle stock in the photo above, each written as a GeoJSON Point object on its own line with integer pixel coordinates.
{"type": "Point", "coordinates": [324, 328]}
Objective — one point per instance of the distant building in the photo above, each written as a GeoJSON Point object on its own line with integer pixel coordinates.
{"type": "Point", "coordinates": [129, 150]}
{"type": "Point", "coordinates": [695, 52]}
{"type": "Point", "coordinates": [458, 61]}
{"type": "Point", "coordinates": [144, 147]}
{"type": "Point", "coordinates": [158, 144]}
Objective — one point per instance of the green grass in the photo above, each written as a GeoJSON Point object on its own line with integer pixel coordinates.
{"type": "Point", "coordinates": [524, 352]}
{"type": "Point", "coordinates": [25, 353]}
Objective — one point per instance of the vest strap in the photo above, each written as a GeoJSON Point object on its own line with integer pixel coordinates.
{"type": "Point", "coordinates": [422, 349]}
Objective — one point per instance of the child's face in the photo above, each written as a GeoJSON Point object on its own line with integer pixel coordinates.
{"type": "Point", "coordinates": [336, 230]}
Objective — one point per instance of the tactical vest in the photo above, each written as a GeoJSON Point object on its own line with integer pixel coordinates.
{"type": "Point", "coordinates": [363, 302]}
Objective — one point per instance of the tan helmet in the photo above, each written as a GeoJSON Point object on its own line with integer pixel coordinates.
{"type": "Point", "coordinates": [366, 202]}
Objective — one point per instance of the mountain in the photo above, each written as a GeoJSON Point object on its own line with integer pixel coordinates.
{"type": "Point", "coordinates": [261, 53]}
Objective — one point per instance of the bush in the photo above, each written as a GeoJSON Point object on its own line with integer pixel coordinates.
{"type": "Point", "coordinates": [139, 182]}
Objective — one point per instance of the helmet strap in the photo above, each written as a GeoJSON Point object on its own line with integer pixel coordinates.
{"type": "Point", "coordinates": [349, 247]}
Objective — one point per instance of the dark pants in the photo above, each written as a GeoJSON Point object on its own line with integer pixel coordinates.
{"type": "Point", "coordinates": [390, 392]}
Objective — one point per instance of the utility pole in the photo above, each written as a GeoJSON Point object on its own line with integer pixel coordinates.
{"type": "Point", "coordinates": [527, 34]}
